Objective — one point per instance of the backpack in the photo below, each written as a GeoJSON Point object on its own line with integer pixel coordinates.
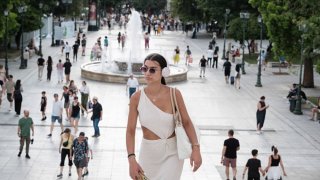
{"type": "Point", "coordinates": [106, 42]}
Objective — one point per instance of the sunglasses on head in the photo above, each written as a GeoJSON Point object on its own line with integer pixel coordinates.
{"type": "Point", "coordinates": [151, 70]}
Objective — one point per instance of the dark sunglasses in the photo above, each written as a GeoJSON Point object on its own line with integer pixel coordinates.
{"type": "Point", "coordinates": [151, 70]}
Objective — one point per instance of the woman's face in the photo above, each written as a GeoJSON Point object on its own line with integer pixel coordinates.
{"type": "Point", "coordinates": [155, 74]}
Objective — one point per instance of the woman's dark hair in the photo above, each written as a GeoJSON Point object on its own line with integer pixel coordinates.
{"type": "Point", "coordinates": [262, 97]}
{"type": "Point", "coordinates": [274, 149]}
{"type": "Point", "coordinates": [18, 85]}
{"type": "Point", "coordinates": [161, 60]}
{"type": "Point", "coordinates": [67, 130]}
{"type": "Point", "coordinates": [49, 60]}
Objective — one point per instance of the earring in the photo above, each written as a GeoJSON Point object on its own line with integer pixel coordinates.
{"type": "Point", "coordinates": [165, 72]}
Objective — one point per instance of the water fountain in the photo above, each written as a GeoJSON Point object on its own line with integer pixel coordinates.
{"type": "Point", "coordinates": [117, 69]}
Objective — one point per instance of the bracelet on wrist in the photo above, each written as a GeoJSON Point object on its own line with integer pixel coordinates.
{"type": "Point", "coordinates": [130, 155]}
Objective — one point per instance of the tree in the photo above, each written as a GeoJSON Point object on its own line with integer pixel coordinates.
{"type": "Point", "coordinates": [282, 18]}
{"type": "Point", "coordinates": [150, 6]}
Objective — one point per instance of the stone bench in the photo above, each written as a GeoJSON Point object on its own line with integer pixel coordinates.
{"type": "Point", "coordinates": [278, 64]}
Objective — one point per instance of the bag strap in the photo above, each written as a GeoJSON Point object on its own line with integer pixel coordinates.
{"type": "Point", "coordinates": [179, 119]}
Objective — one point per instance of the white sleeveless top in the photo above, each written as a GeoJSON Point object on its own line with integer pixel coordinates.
{"type": "Point", "coordinates": [154, 119]}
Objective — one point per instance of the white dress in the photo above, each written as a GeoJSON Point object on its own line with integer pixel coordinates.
{"type": "Point", "coordinates": [158, 158]}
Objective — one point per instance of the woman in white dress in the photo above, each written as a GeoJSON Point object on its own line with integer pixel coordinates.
{"type": "Point", "coordinates": [273, 169]}
{"type": "Point", "coordinates": [158, 158]}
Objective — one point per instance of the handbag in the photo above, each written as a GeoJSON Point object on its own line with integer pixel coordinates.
{"type": "Point", "coordinates": [184, 146]}
{"type": "Point", "coordinates": [65, 144]}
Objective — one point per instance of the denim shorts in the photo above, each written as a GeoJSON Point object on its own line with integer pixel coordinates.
{"type": "Point", "coordinates": [55, 118]}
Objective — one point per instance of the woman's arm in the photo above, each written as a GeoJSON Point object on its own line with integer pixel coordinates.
{"type": "Point", "coordinates": [269, 164]}
{"type": "Point", "coordinates": [195, 159]}
{"type": "Point", "coordinates": [282, 167]}
{"type": "Point", "coordinates": [134, 167]}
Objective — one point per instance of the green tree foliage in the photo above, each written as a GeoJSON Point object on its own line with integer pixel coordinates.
{"type": "Point", "coordinates": [150, 6]}
{"type": "Point", "coordinates": [282, 18]}
{"type": "Point", "coordinates": [187, 10]}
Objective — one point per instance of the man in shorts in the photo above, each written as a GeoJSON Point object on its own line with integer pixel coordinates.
{"type": "Point", "coordinates": [9, 87]}
{"type": "Point", "coordinates": [80, 149]}
{"type": "Point", "coordinates": [229, 154]}
{"type": "Point", "coordinates": [57, 109]}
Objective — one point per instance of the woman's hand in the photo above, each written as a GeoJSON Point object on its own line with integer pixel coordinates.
{"type": "Point", "coordinates": [134, 168]}
{"type": "Point", "coordinates": [195, 159]}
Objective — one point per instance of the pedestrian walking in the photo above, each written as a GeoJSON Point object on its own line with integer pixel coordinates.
{"type": "Point", "coordinates": [215, 59]}
{"type": "Point", "coordinates": [73, 87]}
{"type": "Point", "coordinates": [158, 157]}
{"type": "Point", "coordinates": [67, 70]}
{"type": "Point", "coordinates": [56, 114]}
{"type": "Point", "coordinates": [85, 92]}
{"type": "Point", "coordinates": [261, 113]}
{"type": "Point", "coordinates": [75, 113]}
{"type": "Point", "coordinates": [237, 76]}
{"type": "Point", "coordinates": [123, 40]}
{"type": "Point", "coordinates": [75, 48]}
{"type": "Point", "coordinates": [146, 40]}
{"type": "Point", "coordinates": [210, 56]}
{"type": "Point", "coordinates": [9, 87]}
{"type": "Point", "coordinates": [1, 91]}
{"type": "Point", "coordinates": [17, 96]}
{"type": "Point", "coordinates": [132, 85]}
{"type": "Point", "coordinates": [83, 44]}
{"type": "Point", "coordinates": [96, 116]}
{"type": "Point", "coordinates": [49, 68]}
{"type": "Point", "coordinates": [90, 155]}
{"type": "Point", "coordinates": [67, 50]}
{"type": "Point", "coordinates": [24, 126]}
{"type": "Point", "coordinates": [60, 71]}
{"type": "Point", "coordinates": [253, 166]}
{"type": "Point", "coordinates": [273, 169]}
{"type": "Point", "coordinates": [119, 39]}
{"type": "Point", "coordinates": [106, 42]}
{"type": "Point", "coordinates": [188, 56]}
{"type": "Point", "coordinates": [203, 63]}
{"type": "Point", "coordinates": [176, 57]}
{"type": "Point", "coordinates": [66, 97]}
{"type": "Point", "coordinates": [40, 63]}
{"type": "Point", "coordinates": [80, 149]}
{"type": "Point", "coordinates": [229, 154]}
{"type": "Point", "coordinates": [227, 69]}
{"type": "Point", "coordinates": [65, 149]}
{"type": "Point", "coordinates": [43, 105]}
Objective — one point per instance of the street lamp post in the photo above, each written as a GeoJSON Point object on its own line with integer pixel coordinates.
{"type": "Point", "coordinates": [258, 84]}
{"type": "Point", "coordinates": [297, 109]}
{"type": "Point", "coordinates": [53, 31]}
{"type": "Point", "coordinates": [40, 38]}
{"type": "Point", "coordinates": [22, 10]}
{"type": "Point", "coordinates": [225, 33]}
{"type": "Point", "coordinates": [6, 13]}
{"type": "Point", "coordinates": [244, 16]}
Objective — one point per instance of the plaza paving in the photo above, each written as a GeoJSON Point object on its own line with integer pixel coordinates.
{"type": "Point", "coordinates": [213, 105]}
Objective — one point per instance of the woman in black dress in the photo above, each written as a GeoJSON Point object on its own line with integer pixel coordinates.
{"type": "Point", "coordinates": [261, 113]}
{"type": "Point", "coordinates": [17, 95]}
{"type": "Point", "coordinates": [49, 68]}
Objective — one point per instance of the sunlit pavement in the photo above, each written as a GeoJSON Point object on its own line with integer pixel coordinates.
{"type": "Point", "coordinates": [213, 105]}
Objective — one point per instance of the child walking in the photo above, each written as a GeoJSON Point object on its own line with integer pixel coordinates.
{"type": "Point", "coordinates": [43, 105]}
{"type": "Point", "coordinates": [254, 166]}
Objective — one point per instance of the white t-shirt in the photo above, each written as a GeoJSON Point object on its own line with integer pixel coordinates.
{"type": "Point", "coordinates": [85, 89]}
{"type": "Point", "coordinates": [67, 48]}
{"type": "Point", "coordinates": [209, 53]}
{"type": "Point", "coordinates": [133, 83]}
{"type": "Point", "coordinates": [57, 108]}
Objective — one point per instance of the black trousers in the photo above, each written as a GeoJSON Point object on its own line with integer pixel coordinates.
{"type": "Point", "coordinates": [49, 71]}
{"type": "Point", "coordinates": [64, 154]}
{"type": "Point", "coordinates": [17, 105]}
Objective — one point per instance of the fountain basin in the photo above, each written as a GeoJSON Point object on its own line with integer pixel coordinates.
{"type": "Point", "coordinates": [92, 71]}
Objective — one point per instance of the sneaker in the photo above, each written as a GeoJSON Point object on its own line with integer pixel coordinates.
{"type": "Point", "coordinates": [85, 174]}
{"type": "Point", "coordinates": [93, 136]}
{"type": "Point", "coordinates": [27, 156]}
{"type": "Point", "coordinates": [17, 115]}
{"type": "Point", "coordinates": [59, 175]}
{"type": "Point", "coordinates": [69, 173]}
{"type": "Point", "coordinates": [49, 135]}
{"type": "Point", "coordinates": [258, 132]}
{"type": "Point", "coordinates": [19, 154]}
